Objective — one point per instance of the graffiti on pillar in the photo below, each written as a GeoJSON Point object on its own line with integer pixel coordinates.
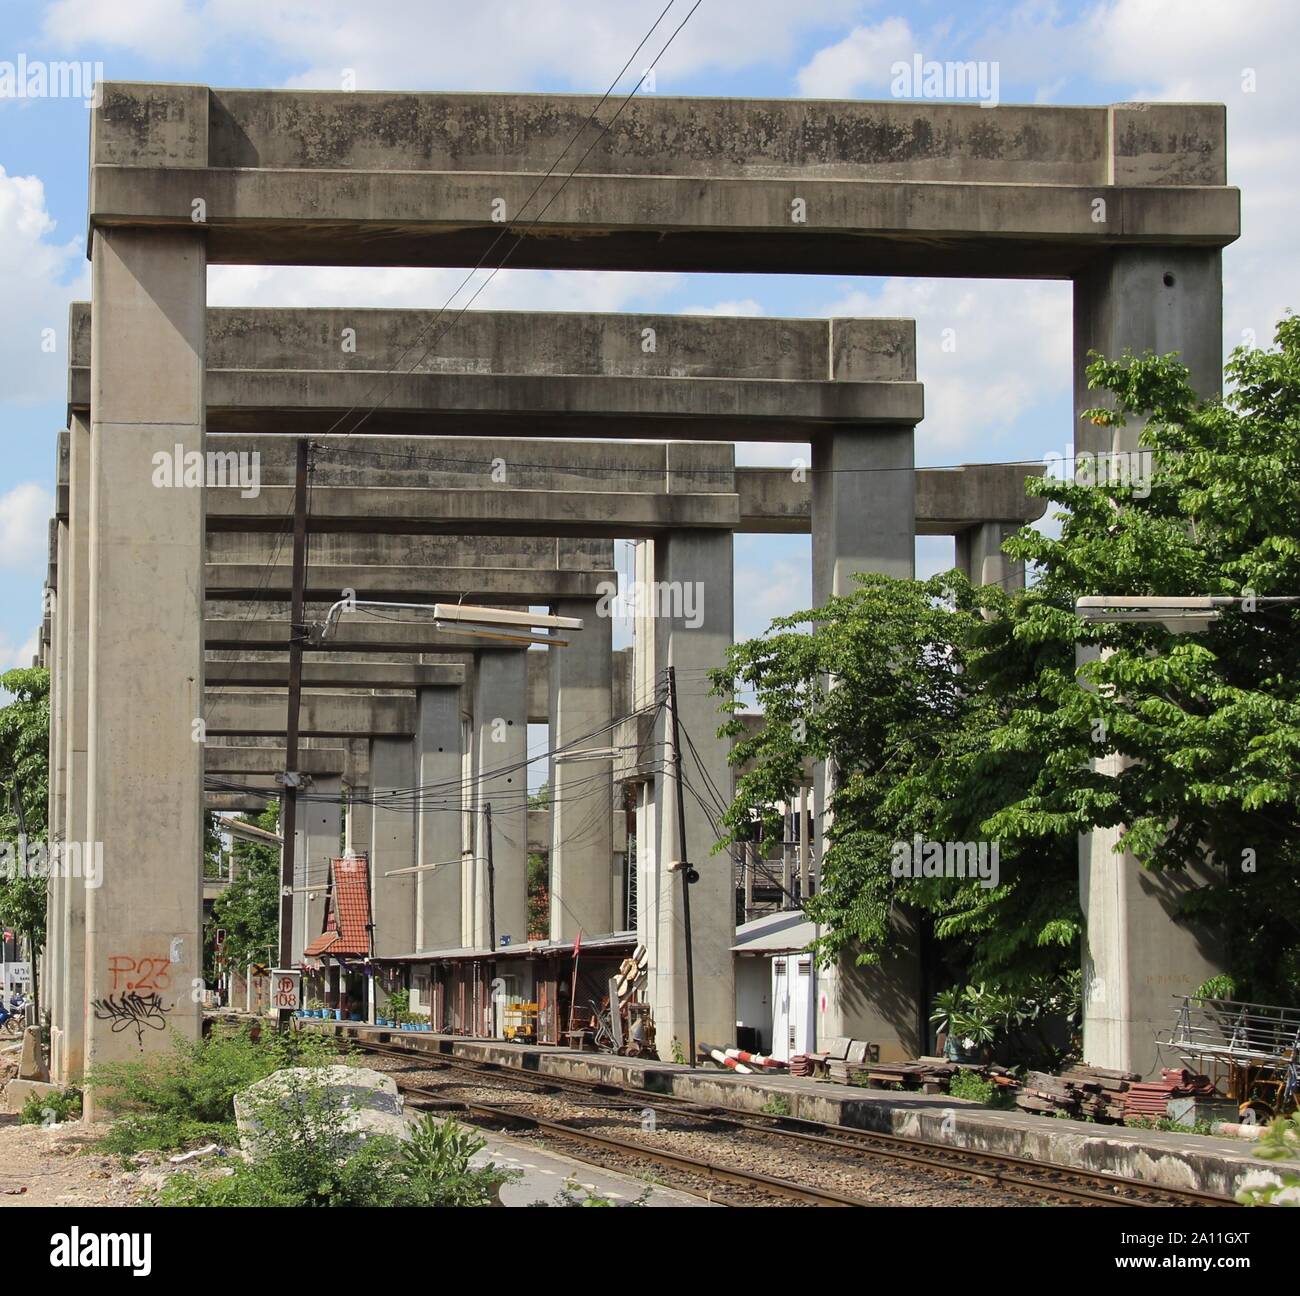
{"type": "Point", "coordinates": [129, 972]}
{"type": "Point", "coordinates": [134, 1000]}
{"type": "Point", "coordinates": [133, 1010]}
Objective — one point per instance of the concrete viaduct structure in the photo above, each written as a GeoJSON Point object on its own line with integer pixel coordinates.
{"type": "Point", "coordinates": [1129, 202]}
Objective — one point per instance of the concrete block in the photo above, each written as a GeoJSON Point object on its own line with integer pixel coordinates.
{"type": "Point", "coordinates": [31, 1063]}
{"type": "Point", "coordinates": [14, 1096]}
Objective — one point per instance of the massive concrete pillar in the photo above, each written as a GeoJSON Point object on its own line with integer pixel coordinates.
{"type": "Point", "coordinates": [76, 582]}
{"type": "Point", "coordinates": [437, 890]}
{"type": "Point", "coordinates": [392, 780]}
{"type": "Point", "coordinates": [863, 506]}
{"type": "Point", "coordinates": [319, 829]}
{"type": "Point", "coordinates": [582, 792]}
{"type": "Point", "coordinates": [1136, 953]}
{"type": "Point", "coordinates": [145, 767]}
{"type": "Point", "coordinates": [981, 560]}
{"type": "Point", "coordinates": [501, 780]}
{"type": "Point", "coordinates": [693, 575]}
{"type": "Point", "coordinates": [56, 887]}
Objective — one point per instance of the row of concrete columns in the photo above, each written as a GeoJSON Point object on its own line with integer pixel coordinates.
{"type": "Point", "coordinates": [143, 616]}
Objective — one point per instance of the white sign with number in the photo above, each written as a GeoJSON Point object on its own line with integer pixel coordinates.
{"type": "Point", "coordinates": [286, 988]}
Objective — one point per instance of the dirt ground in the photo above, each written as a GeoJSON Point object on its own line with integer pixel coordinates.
{"type": "Point", "coordinates": [58, 1166]}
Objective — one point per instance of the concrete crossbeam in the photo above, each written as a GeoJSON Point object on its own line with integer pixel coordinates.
{"type": "Point", "coordinates": [406, 584]}
{"type": "Point", "coordinates": [323, 715]}
{"type": "Point", "coordinates": [333, 674]}
{"type": "Point", "coordinates": [671, 184]}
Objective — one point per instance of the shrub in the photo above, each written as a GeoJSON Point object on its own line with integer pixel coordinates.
{"type": "Point", "coordinates": [307, 1156]}
{"type": "Point", "coordinates": [169, 1101]}
{"type": "Point", "coordinates": [51, 1109]}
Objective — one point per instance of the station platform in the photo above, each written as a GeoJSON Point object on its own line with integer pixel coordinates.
{"type": "Point", "coordinates": [1172, 1160]}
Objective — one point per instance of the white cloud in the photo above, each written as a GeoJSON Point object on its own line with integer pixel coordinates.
{"type": "Point", "coordinates": [24, 526]}
{"type": "Point", "coordinates": [860, 63]}
{"type": "Point", "coordinates": [989, 352]}
{"type": "Point", "coordinates": [411, 44]}
{"type": "Point", "coordinates": [13, 655]}
{"type": "Point", "coordinates": [367, 286]}
{"type": "Point", "coordinates": [740, 306]}
{"type": "Point", "coordinates": [37, 289]}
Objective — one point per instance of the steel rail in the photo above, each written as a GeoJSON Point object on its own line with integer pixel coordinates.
{"type": "Point", "coordinates": [1043, 1179]}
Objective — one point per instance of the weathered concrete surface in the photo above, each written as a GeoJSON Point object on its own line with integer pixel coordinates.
{"type": "Point", "coordinates": [500, 752]}
{"type": "Point", "coordinates": [323, 715]}
{"type": "Point", "coordinates": [143, 946]}
{"type": "Point", "coordinates": [980, 557]}
{"type": "Point", "coordinates": [702, 562]}
{"type": "Point", "coordinates": [14, 1096]}
{"type": "Point", "coordinates": [222, 756]}
{"type": "Point", "coordinates": [948, 500]}
{"type": "Point", "coordinates": [675, 184]}
{"type": "Point", "coordinates": [499, 379]}
{"type": "Point", "coordinates": [582, 791]}
{"type": "Point", "coordinates": [334, 674]}
{"type": "Point", "coordinates": [438, 743]}
{"type": "Point", "coordinates": [392, 846]}
{"type": "Point", "coordinates": [545, 343]}
{"type": "Point", "coordinates": [1137, 953]}
{"type": "Point", "coordinates": [318, 840]}
{"type": "Point", "coordinates": [76, 681]}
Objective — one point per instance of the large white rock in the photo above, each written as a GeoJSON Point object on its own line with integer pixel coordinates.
{"type": "Point", "coordinates": [374, 1105]}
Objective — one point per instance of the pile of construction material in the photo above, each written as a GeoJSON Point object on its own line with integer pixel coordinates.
{"type": "Point", "coordinates": [1150, 1101]}
{"type": "Point", "coordinates": [1081, 1091]}
{"type": "Point", "coordinates": [931, 1074]}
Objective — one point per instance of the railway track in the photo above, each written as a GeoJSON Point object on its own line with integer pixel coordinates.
{"type": "Point", "coordinates": [1039, 1181]}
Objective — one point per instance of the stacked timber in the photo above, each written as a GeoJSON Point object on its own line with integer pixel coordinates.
{"type": "Point", "coordinates": [928, 1074]}
{"type": "Point", "coordinates": [1081, 1091]}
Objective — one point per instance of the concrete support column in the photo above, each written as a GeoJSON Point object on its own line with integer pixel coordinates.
{"type": "Point", "coordinates": [392, 904]}
{"type": "Point", "coordinates": [1136, 954]}
{"type": "Point", "coordinates": [76, 582]}
{"type": "Point", "coordinates": [316, 842]}
{"type": "Point", "coordinates": [145, 767]}
{"type": "Point", "coordinates": [980, 558]}
{"type": "Point", "coordinates": [582, 792]}
{"type": "Point", "coordinates": [56, 887]}
{"type": "Point", "coordinates": [693, 572]}
{"type": "Point", "coordinates": [501, 778]}
{"type": "Point", "coordinates": [863, 506]}
{"type": "Point", "coordinates": [437, 890]}
{"type": "Point", "coordinates": [358, 822]}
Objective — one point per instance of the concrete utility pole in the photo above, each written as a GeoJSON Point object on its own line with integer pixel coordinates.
{"type": "Point", "coordinates": [684, 867]}
{"type": "Point", "coordinates": [297, 633]}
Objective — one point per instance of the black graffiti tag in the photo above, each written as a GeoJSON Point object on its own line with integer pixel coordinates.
{"type": "Point", "coordinates": [133, 1009]}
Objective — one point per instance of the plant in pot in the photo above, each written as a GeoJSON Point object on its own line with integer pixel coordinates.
{"type": "Point", "coordinates": [969, 1019]}
{"type": "Point", "coordinates": [399, 1007]}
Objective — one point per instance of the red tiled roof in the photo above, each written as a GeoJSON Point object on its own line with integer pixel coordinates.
{"type": "Point", "coordinates": [347, 911]}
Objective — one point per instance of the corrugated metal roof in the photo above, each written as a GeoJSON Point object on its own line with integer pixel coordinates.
{"type": "Point", "coordinates": [347, 911]}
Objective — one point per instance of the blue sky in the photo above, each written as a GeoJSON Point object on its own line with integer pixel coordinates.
{"type": "Point", "coordinates": [1002, 393]}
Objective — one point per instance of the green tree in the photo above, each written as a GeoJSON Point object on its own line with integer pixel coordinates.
{"type": "Point", "coordinates": [24, 771]}
{"type": "Point", "coordinates": [1207, 724]}
{"type": "Point", "coordinates": [888, 683]}
{"type": "Point", "coordinates": [249, 908]}
{"type": "Point", "coordinates": [965, 714]}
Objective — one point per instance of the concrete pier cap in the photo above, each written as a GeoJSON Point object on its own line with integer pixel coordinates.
{"type": "Point", "coordinates": [670, 184]}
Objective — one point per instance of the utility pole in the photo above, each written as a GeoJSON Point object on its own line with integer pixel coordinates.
{"type": "Point", "coordinates": [683, 867]}
{"type": "Point", "coordinates": [491, 878]}
{"type": "Point", "coordinates": [297, 633]}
